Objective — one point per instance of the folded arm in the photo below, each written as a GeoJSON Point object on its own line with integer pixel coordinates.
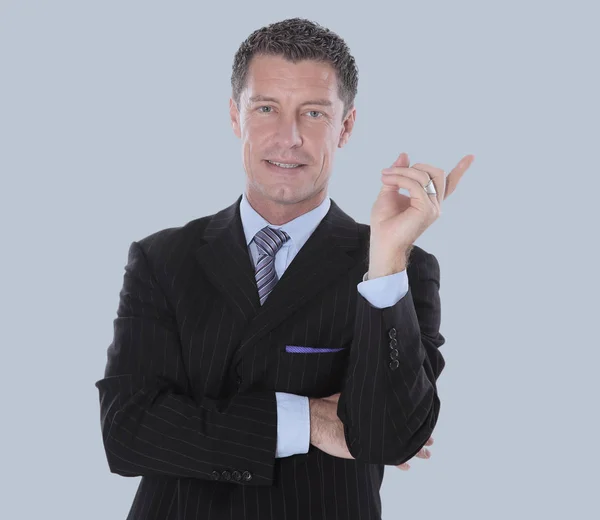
{"type": "Point", "coordinates": [389, 404]}
{"type": "Point", "coordinates": [152, 424]}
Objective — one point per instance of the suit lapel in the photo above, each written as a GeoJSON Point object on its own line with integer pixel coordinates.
{"type": "Point", "coordinates": [326, 255]}
{"type": "Point", "coordinates": [224, 257]}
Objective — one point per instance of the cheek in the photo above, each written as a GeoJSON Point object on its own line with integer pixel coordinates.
{"type": "Point", "coordinates": [323, 140]}
{"type": "Point", "coordinates": [256, 132]}
{"type": "Point", "coordinates": [330, 143]}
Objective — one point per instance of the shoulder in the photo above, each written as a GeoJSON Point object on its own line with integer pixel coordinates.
{"type": "Point", "coordinates": [172, 242]}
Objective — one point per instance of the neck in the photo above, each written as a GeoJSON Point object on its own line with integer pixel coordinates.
{"type": "Point", "coordinates": [277, 213]}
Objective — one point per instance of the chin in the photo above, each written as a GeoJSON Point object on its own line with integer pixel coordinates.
{"type": "Point", "coordinates": [283, 194]}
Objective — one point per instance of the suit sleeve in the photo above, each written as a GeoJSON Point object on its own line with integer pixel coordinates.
{"type": "Point", "coordinates": [389, 403]}
{"type": "Point", "coordinates": [152, 424]}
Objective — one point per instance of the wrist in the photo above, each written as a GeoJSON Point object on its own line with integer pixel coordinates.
{"type": "Point", "coordinates": [378, 269]}
{"type": "Point", "coordinates": [315, 420]}
{"type": "Point", "coordinates": [388, 263]}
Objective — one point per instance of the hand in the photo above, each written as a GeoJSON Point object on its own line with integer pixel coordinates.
{"type": "Point", "coordinates": [424, 453]}
{"type": "Point", "coordinates": [327, 431]}
{"type": "Point", "coordinates": [397, 220]}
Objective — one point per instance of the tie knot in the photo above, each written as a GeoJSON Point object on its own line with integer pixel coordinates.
{"type": "Point", "coordinates": [269, 240]}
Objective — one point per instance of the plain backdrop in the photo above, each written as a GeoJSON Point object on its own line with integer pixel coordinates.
{"type": "Point", "coordinates": [114, 124]}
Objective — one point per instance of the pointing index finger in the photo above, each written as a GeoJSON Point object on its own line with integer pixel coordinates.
{"type": "Point", "coordinates": [458, 171]}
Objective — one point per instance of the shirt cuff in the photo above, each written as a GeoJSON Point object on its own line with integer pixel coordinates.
{"type": "Point", "coordinates": [293, 424]}
{"type": "Point", "coordinates": [384, 291]}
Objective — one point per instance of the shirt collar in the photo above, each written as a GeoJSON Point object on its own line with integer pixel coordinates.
{"type": "Point", "coordinates": [299, 229]}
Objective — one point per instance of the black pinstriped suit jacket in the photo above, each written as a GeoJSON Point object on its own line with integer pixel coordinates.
{"type": "Point", "coordinates": [188, 396]}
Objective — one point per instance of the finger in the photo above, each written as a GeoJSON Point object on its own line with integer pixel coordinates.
{"type": "Point", "coordinates": [334, 397]}
{"type": "Point", "coordinates": [424, 453]}
{"type": "Point", "coordinates": [457, 172]}
{"type": "Point", "coordinates": [402, 161]}
{"type": "Point", "coordinates": [394, 181]}
{"type": "Point", "coordinates": [418, 175]}
{"type": "Point", "coordinates": [429, 441]}
{"type": "Point", "coordinates": [437, 175]}
{"type": "Point", "coordinates": [404, 467]}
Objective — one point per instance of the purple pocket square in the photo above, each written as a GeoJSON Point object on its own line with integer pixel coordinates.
{"type": "Point", "coordinates": [297, 349]}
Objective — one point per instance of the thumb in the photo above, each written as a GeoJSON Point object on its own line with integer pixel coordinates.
{"type": "Point", "coordinates": [334, 397]}
{"type": "Point", "coordinates": [401, 161]}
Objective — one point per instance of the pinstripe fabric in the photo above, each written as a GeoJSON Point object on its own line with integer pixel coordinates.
{"type": "Point", "coordinates": [269, 241]}
{"type": "Point", "coordinates": [187, 400]}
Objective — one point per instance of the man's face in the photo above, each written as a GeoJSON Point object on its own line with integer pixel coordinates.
{"type": "Point", "coordinates": [292, 114]}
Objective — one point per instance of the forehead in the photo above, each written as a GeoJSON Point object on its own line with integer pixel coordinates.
{"type": "Point", "coordinates": [274, 75]}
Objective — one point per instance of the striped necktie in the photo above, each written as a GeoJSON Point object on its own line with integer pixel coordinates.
{"type": "Point", "coordinates": [268, 240]}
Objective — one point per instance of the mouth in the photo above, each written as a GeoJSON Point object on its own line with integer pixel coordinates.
{"type": "Point", "coordinates": [284, 167]}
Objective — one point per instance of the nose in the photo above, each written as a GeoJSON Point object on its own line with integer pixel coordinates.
{"type": "Point", "coordinates": [288, 132]}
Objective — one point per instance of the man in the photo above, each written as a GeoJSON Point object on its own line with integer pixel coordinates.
{"type": "Point", "coordinates": [270, 359]}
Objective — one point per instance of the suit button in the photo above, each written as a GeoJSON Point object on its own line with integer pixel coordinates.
{"type": "Point", "coordinates": [392, 333]}
{"type": "Point", "coordinates": [394, 364]}
{"type": "Point", "coordinates": [393, 343]}
{"type": "Point", "coordinates": [247, 476]}
{"type": "Point", "coordinates": [216, 475]}
{"type": "Point", "coordinates": [238, 381]}
{"type": "Point", "coordinates": [394, 354]}
{"type": "Point", "coordinates": [237, 476]}
{"type": "Point", "coordinates": [226, 475]}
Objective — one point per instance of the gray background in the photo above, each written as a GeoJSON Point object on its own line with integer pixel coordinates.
{"type": "Point", "coordinates": [114, 124]}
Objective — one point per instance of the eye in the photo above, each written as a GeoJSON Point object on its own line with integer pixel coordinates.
{"type": "Point", "coordinates": [318, 114]}
{"type": "Point", "coordinates": [260, 109]}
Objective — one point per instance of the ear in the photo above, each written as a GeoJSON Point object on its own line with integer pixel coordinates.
{"type": "Point", "coordinates": [347, 126]}
{"type": "Point", "coordinates": [234, 115]}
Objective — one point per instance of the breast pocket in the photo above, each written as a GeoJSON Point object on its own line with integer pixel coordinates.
{"type": "Point", "coordinates": [310, 370]}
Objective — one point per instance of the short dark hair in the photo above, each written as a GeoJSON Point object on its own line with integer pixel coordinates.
{"type": "Point", "coordinates": [297, 39]}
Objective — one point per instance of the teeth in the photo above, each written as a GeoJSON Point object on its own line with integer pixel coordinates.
{"type": "Point", "coordinates": [281, 165]}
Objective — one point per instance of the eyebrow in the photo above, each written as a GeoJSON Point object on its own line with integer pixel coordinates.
{"type": "Point", "coordinates": [321, 102]}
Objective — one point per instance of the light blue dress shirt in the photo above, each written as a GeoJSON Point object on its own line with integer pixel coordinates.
{"type": "Point", "coordinates": [293, 413]}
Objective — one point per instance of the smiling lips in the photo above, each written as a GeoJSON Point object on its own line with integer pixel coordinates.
{"type": "Point", "coordinates": [285, 165]}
